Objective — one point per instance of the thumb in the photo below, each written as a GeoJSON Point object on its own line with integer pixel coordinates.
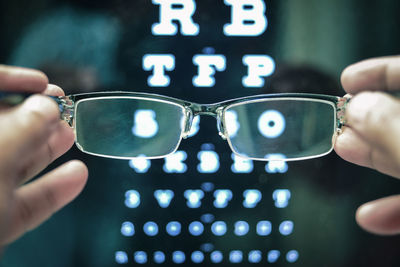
{"type": "Point", "coordinates": [375, 118]}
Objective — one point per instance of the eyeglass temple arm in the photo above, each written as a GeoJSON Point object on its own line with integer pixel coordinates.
{"type": "Point", "coordinates": [65, 103]}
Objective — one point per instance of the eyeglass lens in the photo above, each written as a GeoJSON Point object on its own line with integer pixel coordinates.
{"type": "Point", "coordinates": [277, 129]}
{"type": "Point", "coordinates": [128, 127]}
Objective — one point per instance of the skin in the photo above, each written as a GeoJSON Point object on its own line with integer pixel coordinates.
{"type": "Point", "coordinates": [371, 138]}
{"type": "Point", "coordinates": [32, 136]}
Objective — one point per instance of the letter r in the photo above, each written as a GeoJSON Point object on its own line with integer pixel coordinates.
{"type": "Point", "coordinates": [177, 10]}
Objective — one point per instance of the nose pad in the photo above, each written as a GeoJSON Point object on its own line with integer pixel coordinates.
{"type": "Point", "coordinates": [220, 125]}
{"type": "Point", "coordinates": [187, 121]}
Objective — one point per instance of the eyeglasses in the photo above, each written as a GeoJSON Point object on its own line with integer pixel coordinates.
{"type": "Point", "coordinates": [127, 125]}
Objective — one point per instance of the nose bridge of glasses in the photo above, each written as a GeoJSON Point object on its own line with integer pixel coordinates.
{"type": "Point", "coordinates": [195, 109]}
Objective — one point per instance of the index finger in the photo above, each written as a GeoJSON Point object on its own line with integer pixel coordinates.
{"type": "Point", "coordinates": [19, 79]}
{"type": "Point", "coordinates": [377, 74]}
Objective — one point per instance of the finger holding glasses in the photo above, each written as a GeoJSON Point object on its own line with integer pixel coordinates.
{"type": "Point", "coordinates": [32, 137]}
{"type": "Point", "coordinates": [371, 137]}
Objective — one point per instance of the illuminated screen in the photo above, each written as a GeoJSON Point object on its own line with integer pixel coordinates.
{"type": "Point", "coordinates": [202, 196]}
{"type": "Point", "coordinates": [202, 205]}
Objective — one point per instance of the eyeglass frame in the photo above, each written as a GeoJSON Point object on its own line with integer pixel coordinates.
{"type": "Point", "coordinates": [68, 105]}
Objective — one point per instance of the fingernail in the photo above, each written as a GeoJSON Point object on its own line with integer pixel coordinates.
{"type": "Point", "coordinates": [53, 90]}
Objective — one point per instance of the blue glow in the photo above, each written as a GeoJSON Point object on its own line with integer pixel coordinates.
{"type": "Point", "coordinates": [241, 228]}
{"type": "Point", "coordinates": [222, 197]}
{"type": "Point", "coordinates": [255, 256]}
{"type": "Point", "coordinates": [121, 257]}
{"type": "Point", "coordinates": [207, 65]}
{"type": "Point", "coordinates": [241, 165]}
{"type": "Point", "coordinates": [235, 256]}
{"type": "Point", "coordinates": [247, 18]}
{"type": "Point", "coordinates": [251, 198]}
{"type": "Point", "coordinates": [150, 228]}
{"type": "Point", "coordinates": [164, 197]}
{"type": "Point", "coordinates": [132, 199]}
{"type": "Point", "coordinates": [216, 256]}
{"type": "Point", "coordinates": [144, 123]}
{"type": "Point", "coordinates": [207, 247]}
{"type": "Point", "coordinates": [271, 123]}
{"type": "Point", "coordinates": [174, 162]}
{"type": "Point", "coordinates": [140, 164]}
{"type": "Point", "coordinates": [276, 165]}
{"type": "Point", "coordinates": [140, 257]}
{"type": "Point", "coordinates": [209, 161]}
{"type": "Point", "coordinates": [173, 228]}
{"type": "Point", "coordinates": [207, 218]}
{"type": "Point", "coordinates": [197, 256]}
{"type": "Point", "coordinates": [231, 123]}
{"type": "Point", "coordinates": [193, 198]}
{"type": "Point", "coordinates": [273, 256]}
{"type": "Point", "coordinates": [208, 50]}
{"type": "Point", "coordinates": [207, 186]}
{"type": "Point", "coordinates": [264, 228]}
{"type": "Point", "coordinates": [159, 257]}
{"type": "Point", "coordinates": [172, 11]}
{"type": "Point", "coordinates": [127, 229]}
{"type": "Point", "coordinates": [218, 228]}
{"type": "Point", "coordinates": [281, 197]}
{"type": "Point", "coordinates": [292, 256]}
{"type": "Point", "coordinates": [286, 227]}
{"type": "Point", "coordinates": [196, 228]}
{"type": "Point", "coordinates": [258, 67]}
{"type": "Point", "coordinates": [194, 129]}
{"type": "Point", "coordinates": [159, 63]}
{"type": "Point", "coordinates": [178, 257]}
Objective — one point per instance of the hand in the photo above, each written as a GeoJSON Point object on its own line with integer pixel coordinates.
{"type": "Point", "coordinates": [372, 138]}
{"type": "Point", "coordinates": [32, 136]}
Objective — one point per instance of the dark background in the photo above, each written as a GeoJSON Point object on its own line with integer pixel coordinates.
{"type": "Point", "coordinates": [99, 45]}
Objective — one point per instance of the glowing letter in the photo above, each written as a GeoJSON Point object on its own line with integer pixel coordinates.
{"type": "Point", "coordinates": [174, 164]}
{"type": "Point", "coordinates": [195, 126]}
{"type": "Point", "coordinates": [248, 18]}
{"type": "Point", "coordinates": [180, 10]}
{"type": "Point", "coordinates": [132, 199]}
{"type": "Point", "coordinates": [144, 123]}
{"type": "Point", "coordinates": [263, 228]}
{"type": "Point", "coordinates": [255, 256]}
{"type": "Point", "coordinates": [193, 198]}
{"type": "Point", "coordinates": [222, 197]}
{"type": "Point", "coordinates": [209, 161]}
{"type": "Point", "coordinates": [251, 198]}
{"type": "Point", "coordinates": [281, 197]}
{"type": "Point", "coordinates": [127, 229]}
{"type": "Point", "coordinates": [241, 165]}
{"type": "Point", "coordinates": [140, 164]}
{"type": "Point", "coordinates": [164, 197]}
{"type": "Point", "coordinates": [258, 66]}
{"type": "Point", "coordinates": [204, 77]}
{"type": "Point", "coordinates": [271, 123]}
{"type": "Point", "coordinates": [276, 163]}
{"type": "Point", "coordinates": [121, 257]}
{"type": "Point", "coordinates": [158, 63]}
{"type": "Point", "coordinates": [273, 256]}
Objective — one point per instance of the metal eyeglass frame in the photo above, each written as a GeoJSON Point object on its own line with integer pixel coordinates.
{"type": "Point", "coordinates": [68, 104]}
